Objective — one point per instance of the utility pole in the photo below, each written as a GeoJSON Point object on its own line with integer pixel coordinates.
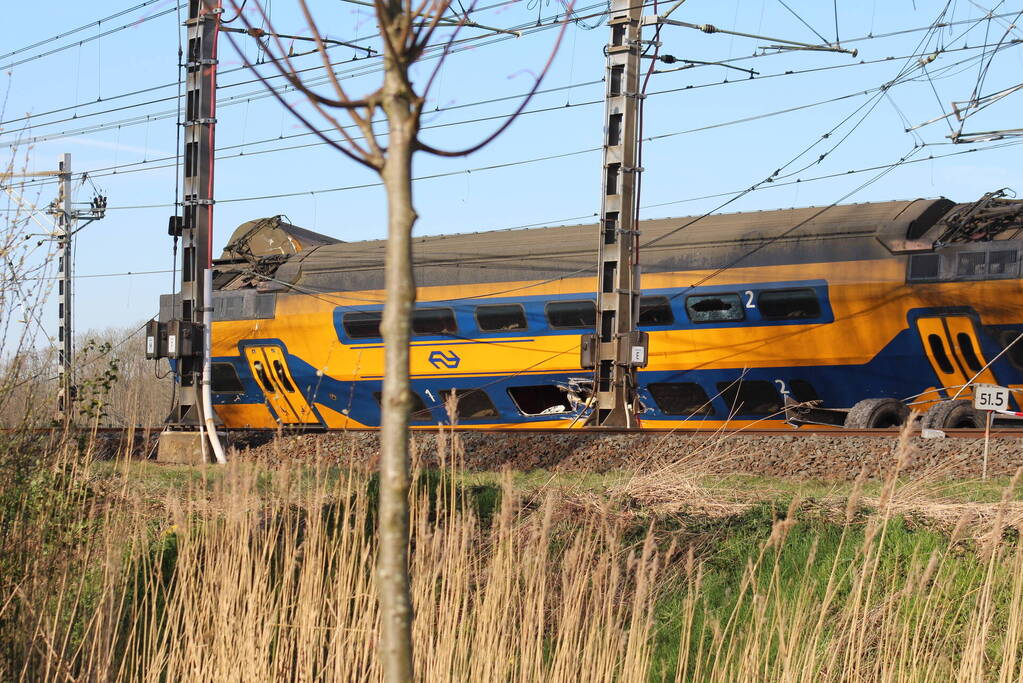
{"type": "Point", "coordinates": [66, 218]}
{"type": "Point", "coordinates": [617, 348]}
{"type": "Point", "coordinates": [195, 226]}
{"type": "Point", "coordinates": [64, 214]}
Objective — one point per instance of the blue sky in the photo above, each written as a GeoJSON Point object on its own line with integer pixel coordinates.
{"type": "Point", "coordinates": [546, 170]}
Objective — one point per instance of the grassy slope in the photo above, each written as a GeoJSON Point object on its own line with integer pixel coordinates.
{"type": "Point", "coordinates": [756, 578]}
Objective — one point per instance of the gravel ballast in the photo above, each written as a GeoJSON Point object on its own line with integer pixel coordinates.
{"type": "Point", "coordinates": [804, 456]}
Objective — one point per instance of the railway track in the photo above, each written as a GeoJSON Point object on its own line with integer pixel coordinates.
{"type": "Point", "coordinates": [835, 454]}
{"type": "Point", "coordinates": [996, 432]}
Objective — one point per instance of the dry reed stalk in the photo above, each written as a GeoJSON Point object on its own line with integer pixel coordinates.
{"type": "Point", "coordinates": [263, 573]}
{"type": "Point", "coordinates": [259, 574]}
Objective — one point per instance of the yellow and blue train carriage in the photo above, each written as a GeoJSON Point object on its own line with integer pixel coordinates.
{"type": "Point", "coordinates": [841, 316]}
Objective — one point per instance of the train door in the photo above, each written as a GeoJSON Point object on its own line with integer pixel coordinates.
{"type": "Point", "coordinates": [270, 369]}
{"type": "Point", "coordinates": [953, 350]}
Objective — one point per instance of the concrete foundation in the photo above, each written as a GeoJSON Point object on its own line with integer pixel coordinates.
{"type": "Point", "coordinates": [180, 448]}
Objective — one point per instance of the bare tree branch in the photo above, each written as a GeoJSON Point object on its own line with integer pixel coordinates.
{"type": "Point", "coordinates": [294, 112]}
{"type": "Point", "coordinates": [368, 158]}
{"type": "Point", "coordinates": [447, 47]}
{"type": "Point", "coordinates": [514, 115]}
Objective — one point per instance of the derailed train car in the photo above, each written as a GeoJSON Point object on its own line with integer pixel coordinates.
{"type": "Point", "coordinates": [844, 316]}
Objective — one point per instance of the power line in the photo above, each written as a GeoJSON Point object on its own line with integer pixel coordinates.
{"type": "Point", "coordinates": [728, 193]}
{"type": "Point", "coordinates": [81, 42]}
{"type": "Point", "coordinates": [839, 174]}
{"type": "Point", "coordinates": [803, 21]}
{"type": "Point", "coordinates": [300, 193]}
{"type": "Point", "coordinates": [433, 51]}
{"type": "Point", "coordinates": [759, 186]}
{"type": "Point", "coordinates": [788, 231]}
{"type": "Point", "coordinates": [133, 166]}
{"type": "Point", "coordinates": [361, 70]}
{"type": "Point", "coordinates": [501, 165]}
{"type": "Point", "coordinates": [870, 104]}
{"type": "Point", "coordinates": [313, 192]}
{"type": "Point", "coordinates": [65, 34]}
{"type": "Point", "coordinates": [506, 164]}
{"type": "Point", "coordinates": [797, 181]}
{"type": "Point", "coordinates": [128, 273]}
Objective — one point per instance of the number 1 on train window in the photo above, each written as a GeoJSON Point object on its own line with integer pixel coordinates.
{"type": "Point", "coordinates": [749, 299]}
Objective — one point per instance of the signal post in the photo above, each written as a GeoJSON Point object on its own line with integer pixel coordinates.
{"type": "Point", "coordinates": [181, 337]}
{"type": "Point", "coordinates": [618, 349]}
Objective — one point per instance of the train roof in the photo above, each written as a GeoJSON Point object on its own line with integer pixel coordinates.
{"type": "Point", "coordinates": [801, 235]}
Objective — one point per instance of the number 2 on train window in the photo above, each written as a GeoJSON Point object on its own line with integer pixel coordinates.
{"type": "Point", "coordinates": [782, 389]}
{"type": "Point", "coordinates": [749, 299]}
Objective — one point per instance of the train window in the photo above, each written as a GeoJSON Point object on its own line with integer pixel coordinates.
{"type": "Point", "coordinates": [500, 317]}
{"type": "Point", "coordinates": [709, 308]}
{"type": "Point", "coordinates": [969, 353]}
{"type": "Point", "coordinates": [572, 314]}
{"type": "Point", "coordinates": [1002, 262]}
{"type": "Point", "coordinates": [788, 304]}
{"type": "Point", "coordinates": [937, 345]}
{"type": "Point", "coordinates": [418, 412]}
{"type": "Point", "coordinates": [1015, 352]}
{"type": "Point", "coordinates": [472, 403]}
{"type": "Point", "coordinates": [282, 376]}
{"type": "Point", "coordinates": [243, 305]}
{"type": "Point", "coordinates": [971, 263]}
{"type": "Point", "coordinates": [681, 398]}
{"type": "Point", "coordinates": [544, 399]}
{"type": "Point", "coordinates": [655, 310]}
{"type": "Point", "coordinates": [225, 379]}
{"type": "Point", "coordinates": [924, 267]}
{"type": "Point", "coordinates": [802, 391]}
{"type": "Point", "coordinates": [263, 379]}
{"type": "Point", "coordinates": [266, 305]}
{"type": "Point", "coordinates": [750, 397]}
{"type": "Point", "coordinates": [433, 321]}
{"type": "Point", "coordinates": [229, 307]}
{"type": "Point", "coordinates": [362, 324]}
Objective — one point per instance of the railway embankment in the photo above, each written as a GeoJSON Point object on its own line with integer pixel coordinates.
{"type": "Point", "coordinates": [830, 456]}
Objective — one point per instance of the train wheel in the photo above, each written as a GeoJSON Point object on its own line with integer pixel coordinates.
{"type": "Point", "coordinates": [952, 415]}
{"type": "Point", "coordinates": [876, 413]}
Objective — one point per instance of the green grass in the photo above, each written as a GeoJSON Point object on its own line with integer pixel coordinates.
{"type": "Point", "coordinates": [806, 563]}
{"type": "Point", "coordinates": [779, 488]}
{"type": "Point", "coordinates": [157, 480]}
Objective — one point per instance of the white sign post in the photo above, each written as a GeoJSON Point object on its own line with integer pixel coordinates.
{"type": "Point", "coordinates": [989, 398]}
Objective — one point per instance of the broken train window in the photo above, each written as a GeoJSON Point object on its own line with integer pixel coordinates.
{"type": "Point", "coordinates": [472, 403]}
{"type": "Point", "coordinates": [708, 308]}
{"type": "Point", "coordinates": [750, 397]}
{"type": "Point", "coordinates": [544, 399]}
{"type": "Point", "coordinates": [681, 398]}
{"type": "Point", "coordinates": [418, 412]}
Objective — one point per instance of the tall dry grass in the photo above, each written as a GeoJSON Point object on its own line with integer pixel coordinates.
{"type": "Point", "coordinates": [263, 572]}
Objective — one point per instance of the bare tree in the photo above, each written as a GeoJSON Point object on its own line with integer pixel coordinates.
{"type": "Point", "coordinates": [27, 258]}
{"type": "Point", "coordinates": [406, 31]}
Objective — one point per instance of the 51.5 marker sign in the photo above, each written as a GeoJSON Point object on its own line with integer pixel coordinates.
{"type": "Point", "coordinates": [989, 397]}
